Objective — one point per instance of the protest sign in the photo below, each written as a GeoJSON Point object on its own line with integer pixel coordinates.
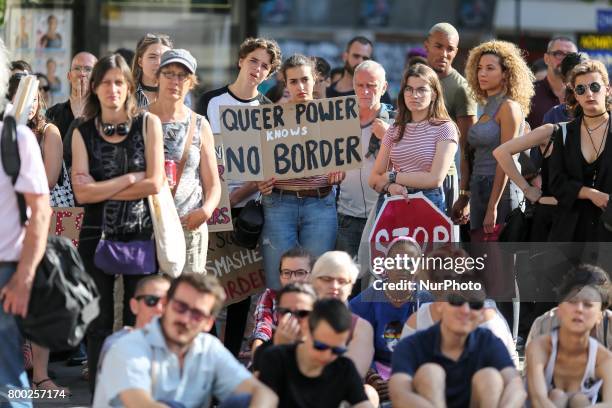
{"type": "Point", "coordinates": [291, 140]}
{"type": "Point", "coordinates": [221, 219]}
{"type": "Point", "coordinates": [418, 218]}
{"type": "Point", "coordinates": [240, 270]}
{"type": "Point", "coordinates": [66, 222]}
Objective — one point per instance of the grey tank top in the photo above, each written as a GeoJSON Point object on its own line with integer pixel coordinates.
{"type": "Point", "coordinates": [484, 137]}
{"type": "Point", "coordinates": [189, 192]}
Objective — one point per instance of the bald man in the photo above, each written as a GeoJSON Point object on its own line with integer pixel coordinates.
{"type": "Point", "coordinates": [442, 45]}
{"type": "Point", "coordinates": [62, 114]}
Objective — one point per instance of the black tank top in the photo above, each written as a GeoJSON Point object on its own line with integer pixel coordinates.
{"type": "Point", "coordinates": [123, 220]}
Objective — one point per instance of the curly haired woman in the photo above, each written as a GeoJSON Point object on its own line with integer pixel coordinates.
{"type": "Point", "coordinates": [499, 79]}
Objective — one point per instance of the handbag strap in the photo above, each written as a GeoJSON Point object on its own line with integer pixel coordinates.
{"type": "Point", "coordinates": [181, 165]}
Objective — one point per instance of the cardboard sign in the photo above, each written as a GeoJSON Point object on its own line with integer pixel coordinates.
{"type": "Point", "coordinates": [66, 222]}
{"type": "Point", "coordinates": [418, 218]}
{"type": "Point", "coordinates": [240, 270]}
{"type": "Point", "coordinates": [291, 140]}
{"type": "Point", "coordinates": [221, 219]}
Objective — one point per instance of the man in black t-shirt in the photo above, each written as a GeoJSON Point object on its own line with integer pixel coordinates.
{"type": "Point", "coordinates": [314, 373]}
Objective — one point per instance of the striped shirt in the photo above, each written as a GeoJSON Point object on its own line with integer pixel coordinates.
{"type": "Point", "coordinates": [303, 183]}
{"type": "Point", "coordinates": [416, 151]}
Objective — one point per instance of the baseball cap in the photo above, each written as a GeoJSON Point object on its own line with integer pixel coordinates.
{"type": "Point", "coordinates": [179, 56]}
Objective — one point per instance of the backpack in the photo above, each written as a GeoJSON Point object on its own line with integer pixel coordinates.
{"type": "Point", "coordinates": [64, 299]}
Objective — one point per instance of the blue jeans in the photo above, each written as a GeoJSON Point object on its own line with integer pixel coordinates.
{"type": "Point", "coordinates": [349, 233]}
{"type": "Point", "coordinates": [309, 222]}
{"type": "Point", "coordinates": [12, 372]}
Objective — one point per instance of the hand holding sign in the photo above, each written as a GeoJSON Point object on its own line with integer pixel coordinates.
{"type": "Point", "coordinates": [336, 177]}
{"type": "Point", "coordinates": [265, 187]}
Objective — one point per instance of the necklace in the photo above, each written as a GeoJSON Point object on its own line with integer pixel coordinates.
{"type": "Point", "coordinates": [595, 116]}
{"type": "Point", "coordinates": [596, 127]}
{"type": "Point", "coordinates": [147, 88]}
{"type": "Point", "coordinates": [597, 151]}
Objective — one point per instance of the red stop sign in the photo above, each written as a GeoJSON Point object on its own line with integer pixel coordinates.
{"type": "Point", "coordinates": [418, 218]}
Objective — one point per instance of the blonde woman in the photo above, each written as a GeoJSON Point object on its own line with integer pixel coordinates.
{"type": "Point", "coordinates": [499, 79]}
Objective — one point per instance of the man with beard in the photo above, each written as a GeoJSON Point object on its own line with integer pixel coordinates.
{"type": "Point", "coordinates": [173, 361]}
{"type": "Point", "coordinates": [550, 91]}
{"type": "Point", "coordinates": [442, 45]}
{"type": "Point", "coordinates": [358, 49]}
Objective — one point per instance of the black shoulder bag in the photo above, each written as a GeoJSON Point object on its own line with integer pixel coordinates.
{"type": "Point", "coordinates": [64, 298]}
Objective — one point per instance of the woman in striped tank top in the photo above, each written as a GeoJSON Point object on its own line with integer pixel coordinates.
{"type": "Point", "coordinates": [301, 211]}
{"type": "Point", "coordinates": [418, 149]}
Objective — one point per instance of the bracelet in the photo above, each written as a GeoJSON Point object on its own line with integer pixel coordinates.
{"type": "Point", "coordinates": [465, 193]}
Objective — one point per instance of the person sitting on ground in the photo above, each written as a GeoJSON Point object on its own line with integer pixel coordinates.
{"type": "Point", "coordinates": [292, 306]}
{"type": "Point", "coordinates": [568, 368]}
{"type": "Point", "coordinates": [387, 309]}
{"type": "Point", "coordinates": [455, 363]}
{"type": "Point", "coordinates": [146, 304]}
{"type": "Point", "coordinates": [295, 266]}
{"type": "Point", "coordinates": [430, 313]}
{"type": "Point", "coordinates": [174, 360]}
{"type": "Point", "coordinates": [314, 373]}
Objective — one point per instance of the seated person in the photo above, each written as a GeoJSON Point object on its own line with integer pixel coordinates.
{"type": "Point", "coordinates": [569, 368]}
{"type": "Point", "coordinates": [430, 313]}
{"type": "Point", "coordinates": [333, 276]}
{"type": "Point", "coordinates": [549, 321]}
{"type": "Point", "coordinates": [387, 308]}
{"type": "Point", "coordinates": [295, 266]}
{"type": "Point", "coordinates": [146, 304]}
{"type": "Point", "coordinates": [455, 363]}
{"type": "Point", "coordinates": [293, 305]}
{"type": "Point", "coordinates": [314, 373]}
{"type": "Point", "coordinates": [173, 360]}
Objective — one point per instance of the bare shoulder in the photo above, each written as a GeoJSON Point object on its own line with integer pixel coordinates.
{"type": "Point", "coordinates": [510, 108]}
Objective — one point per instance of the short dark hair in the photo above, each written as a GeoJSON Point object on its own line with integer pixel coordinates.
{"type": "Point", "coordinates": [148, 279]}
{"type": "Point", "coordinates": [322, 67]}
{"type": "Point", "coordinates": [21, 65]}
{"type": "Point", "coordinates": [296, 287]}
{"type": "Point", "coordinates": [127, 54]}
{"type": "Point", "coordinates": [205, 284]}
{"type": "Point", "coordinates": [570, 61]}
{"type": "Point", "coordinates": [298, 60]}
{"type": "Point", "coordinates": [251, 44]}
{"type": "Point", "coordinates": [297, 252]}
{"type": "Point", "coordinates": [275, 93]}
{"type": "Point", "coordinates": [586, 275]}
{"type": "Point", "coordinates": [361, 40]}
{"type": "Point", "coordinates": [334, 312]}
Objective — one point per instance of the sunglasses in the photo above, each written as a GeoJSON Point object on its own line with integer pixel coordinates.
{"type": "Point", "coordinates": [593, 86]}
{"type": "Point", "coordinates": [558, 54]}
{"type": "Point", "coordinates": [458, 301]}
{"type": "Point", "coordinates": [195, 314]}
{"type": "Point", "coordinates": [320, 346]}
{"type": "Point", "coordinates": [300, 314]}
{"type": "Point", "coordinates": [149, 300]}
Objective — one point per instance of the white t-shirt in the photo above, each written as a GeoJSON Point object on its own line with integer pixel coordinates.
{"type": "Point", "coordinates": [32, 179]}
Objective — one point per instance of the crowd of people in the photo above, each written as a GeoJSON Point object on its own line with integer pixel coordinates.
{"type": "Point", "coordinates": [477, 147]}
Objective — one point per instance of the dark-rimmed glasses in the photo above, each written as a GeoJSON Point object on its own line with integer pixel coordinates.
{"type": "Point", "coordinates": [300, 313]}
{"type": "Point", "coordinates": [298, 273]}
{"type": "Point", "coordinates": [196, 315]}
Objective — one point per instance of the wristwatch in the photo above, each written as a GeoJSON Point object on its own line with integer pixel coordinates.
{"type": "Point", "coordinates": [391, 176]}
{"type": "Point", "coordinates": [465, 193]}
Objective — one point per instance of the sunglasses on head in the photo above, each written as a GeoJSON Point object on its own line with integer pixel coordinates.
{"type": "Point", "coordinates": [300, 314]}
{"type": "Point", "coordinates": [457, 300]}
{"type": "Point", "coordinates": [196, 315]}
{"type": "Point", "coordinates": [320, 346]}
{"type": "Point", "coordinates": [149, 300]}
{"type": "Point", "coordinates": [593, 86]}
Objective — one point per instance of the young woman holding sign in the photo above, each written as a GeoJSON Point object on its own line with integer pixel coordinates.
{"type": "Point", "coordinates": [195, 184]}
{"type": "Point", "coordinates": [420, 146]}
{"type": "Point", "coordinates": [301, 211]}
